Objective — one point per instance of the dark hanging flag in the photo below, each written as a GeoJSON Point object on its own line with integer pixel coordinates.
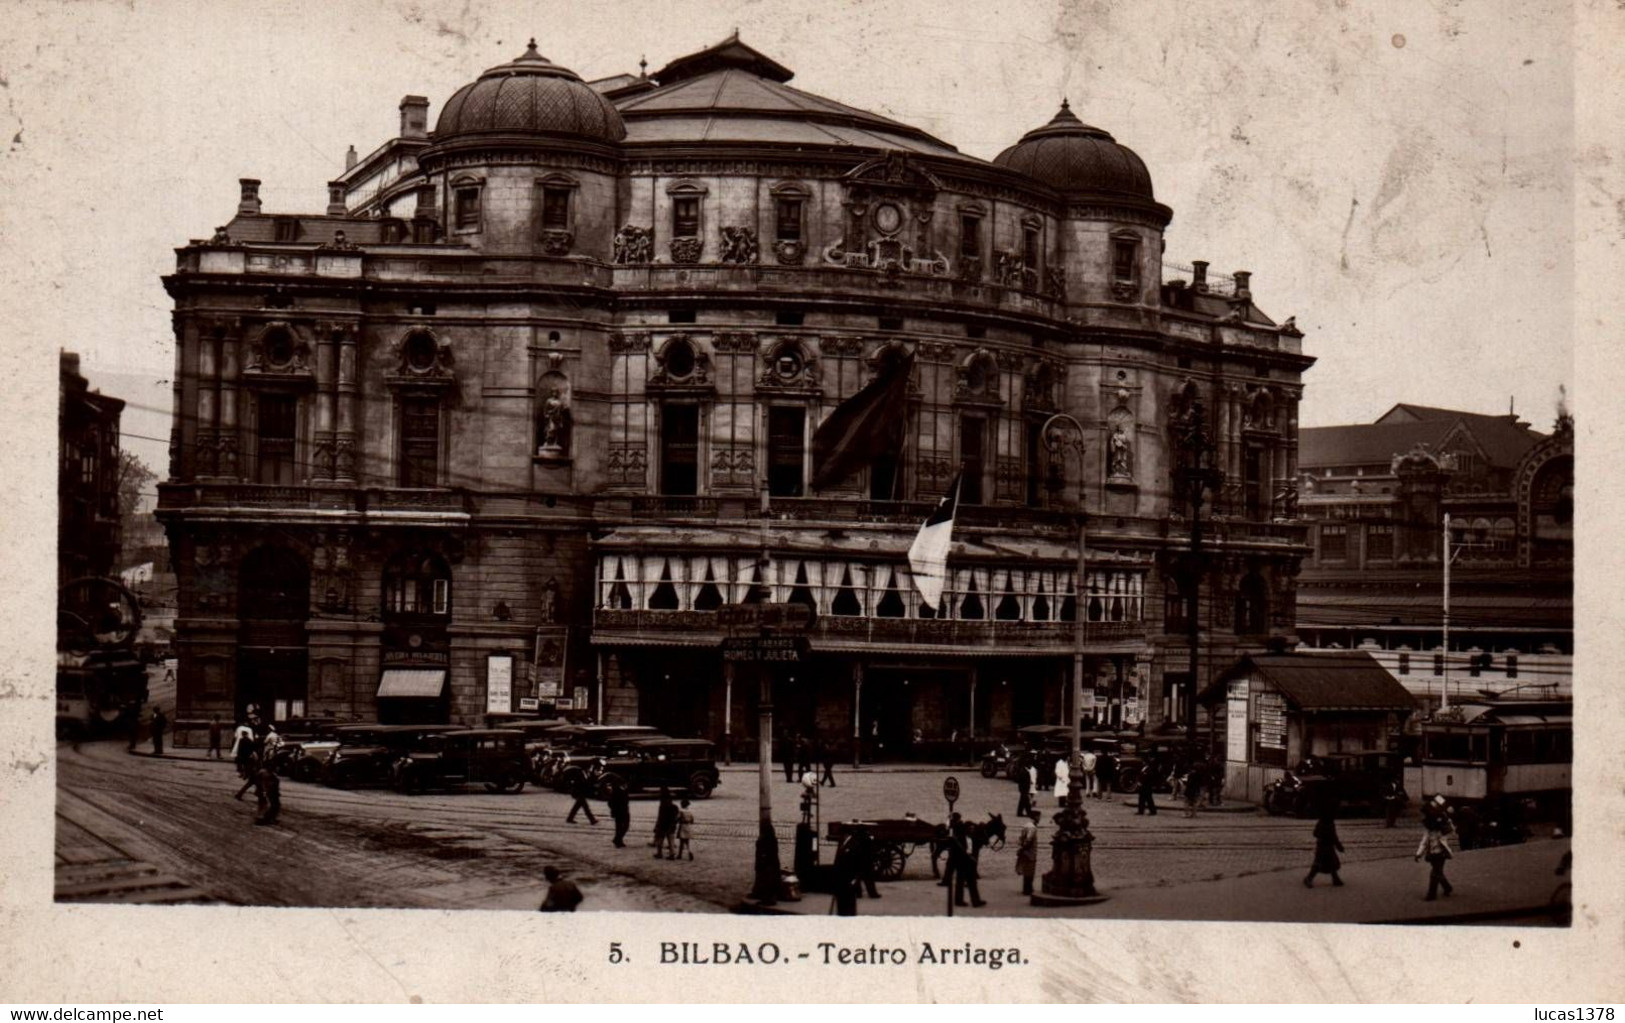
{"type": "Point", "coordinates": [864, 427]}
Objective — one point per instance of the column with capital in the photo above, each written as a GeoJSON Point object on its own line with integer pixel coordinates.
{"type": "Point", "coordinates": [204, 451]}
{"type": "Point", "coordinates": [347, 395]}
{"type": "Point", "coordinates": [321, 466]}
{"type": "Point", "coordinates": [230, 374]}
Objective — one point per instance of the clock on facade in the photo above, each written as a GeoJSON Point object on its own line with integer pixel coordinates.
{"type": "Point", "coordinates": [888, 217]}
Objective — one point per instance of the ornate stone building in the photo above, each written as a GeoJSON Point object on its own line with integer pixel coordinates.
{"type": "Point", "coordinates": [534, 396]}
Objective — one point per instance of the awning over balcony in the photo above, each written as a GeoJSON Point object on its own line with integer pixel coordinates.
{"type": "Point", "coordinates": [412, 683]}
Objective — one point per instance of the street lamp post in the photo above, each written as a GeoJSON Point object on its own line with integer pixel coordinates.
{"type": "Point", "coordinates": [1196, 476]}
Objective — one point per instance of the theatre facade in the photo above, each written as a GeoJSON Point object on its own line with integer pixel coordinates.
{"type": "Point", "coordinates": [534, 396]}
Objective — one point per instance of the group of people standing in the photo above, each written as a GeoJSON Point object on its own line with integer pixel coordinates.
{"type": "Point", "coordinates": [799, 755]}
{"type": "Point", "coordinates": [674, 820]}
{"type": "Point", "coordinates": [157, 728]}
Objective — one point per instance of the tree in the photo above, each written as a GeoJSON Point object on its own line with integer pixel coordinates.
{"type": "Point", "coordinates": [136, 527]}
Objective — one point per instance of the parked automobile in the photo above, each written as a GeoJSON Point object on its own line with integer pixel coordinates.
{"type": "Point", "coordinates": [368, 757]}
{"type": "Point", "coordinates": [1039, 745]}
{"type": "Point", "coordinates": [579, 745]}
{"type": "Point", "coordinates": [305, 760]}
{"type": "Point", "coordinates": [494, 757]}
{"type": "Point", "coordinates": [1338, 779]}
{"type": "Point", "coordinates": [684, 765]}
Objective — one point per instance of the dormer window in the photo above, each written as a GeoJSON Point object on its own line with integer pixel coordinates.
{"type": "Point", "coordinates": [467, 201]}
{"type": "Point", "coordinates": [555, 209]}
{"type": "Point", "coordinates": [685, 217]}
{"type": "Point", "coordinates": [287, 229]}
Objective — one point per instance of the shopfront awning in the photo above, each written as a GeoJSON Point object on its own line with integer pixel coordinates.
{"type": "Point", "coordinates": [412, 683]}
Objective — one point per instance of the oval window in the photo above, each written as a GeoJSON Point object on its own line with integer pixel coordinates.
{"type": "Point", "coordinates": [420, 352]}
{"type": "Point", "coordinates": [788, 365]}
{"type": "Point", "coordinates": [279, 348]}
{"type": "Point", "coordinates": [679, 359]}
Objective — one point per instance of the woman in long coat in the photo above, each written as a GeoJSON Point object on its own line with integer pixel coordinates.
{"type": "Point", "coordinates": [1063, 779]}
{"type": "Point", "coordinates": [1327, 846]}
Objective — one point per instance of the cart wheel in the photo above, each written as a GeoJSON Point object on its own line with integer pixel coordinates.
{"type": "Point", "coordinates": [699, 786]}
{"type": "Point", "coordinates": [1129, 779]}
{"type": "Point", "coordinates": [1272, 803]}
{"type": "Point", "coordinates": [990, 769]}
{"type": "Point", "coordinates": [889, 860]}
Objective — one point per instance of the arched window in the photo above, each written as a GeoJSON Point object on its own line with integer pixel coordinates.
{"type": "Point", "coordinates": [417, 584]}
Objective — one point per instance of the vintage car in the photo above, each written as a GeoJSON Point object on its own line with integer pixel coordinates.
{"type": "Point", "coordinates": [577, 746]}
{"type": "Point", "coordinates": [306, 760]}
{"type": "Point", "coordinates": [686, 766]}
{"type": "Point", "coordinates": [1336, 780]}
{"type": "Point", "coordinates": [494, 757]}
{"type": "Point", "coordinates": [1039, 745]}
{"type": "Point", "coordinates": [368, 757]}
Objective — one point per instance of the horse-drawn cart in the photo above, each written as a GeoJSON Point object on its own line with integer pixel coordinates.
{"type": "Point", "coordinates": [894, 841]}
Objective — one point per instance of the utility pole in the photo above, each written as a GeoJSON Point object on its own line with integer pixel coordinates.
{"type": "Point", "coordinates": [1449, 556]}
{"type": "Point", "coordinates": [1197, 474]}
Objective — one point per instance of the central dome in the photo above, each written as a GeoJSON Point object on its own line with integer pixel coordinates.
{"type": "Point", "coordinates": [529, 95]}
{"type": "Point", "coordinates": [1078, 159]}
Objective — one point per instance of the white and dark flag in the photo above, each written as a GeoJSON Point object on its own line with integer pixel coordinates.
{"type": "Point", "coordinates": [928, 554]}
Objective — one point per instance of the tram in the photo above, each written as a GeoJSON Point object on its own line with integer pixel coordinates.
{"type": "Point", "coordinates": [100, 681]}
{"type": "Point", "coordinates": [1493, 751]}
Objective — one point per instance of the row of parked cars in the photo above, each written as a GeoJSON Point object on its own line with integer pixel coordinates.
{"type": "Point", "coordinates": [508, 753]}
{"type": "Point", "coordinates": [1040, 746]}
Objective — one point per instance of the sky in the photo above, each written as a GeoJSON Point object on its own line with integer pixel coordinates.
{"type": "Point", "coordinates": [1397, 176]}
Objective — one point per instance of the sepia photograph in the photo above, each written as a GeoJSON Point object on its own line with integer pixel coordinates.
{"type": "Point", "coordinates": [1087, 463]}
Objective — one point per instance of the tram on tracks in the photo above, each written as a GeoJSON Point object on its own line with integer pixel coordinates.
{"type": "Point", "coordinates": [1493, 751]}
{"type": "Point", "coordinates": [100, 681]}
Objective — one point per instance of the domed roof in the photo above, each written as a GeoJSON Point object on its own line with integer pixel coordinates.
{"type": "Point", "coordinates": [529, 95]}
{"type": "Point", "coordinates": [1076, 158]}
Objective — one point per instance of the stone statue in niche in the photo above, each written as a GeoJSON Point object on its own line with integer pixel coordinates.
{"type": "Point", "coordinates": [555, 425]}
{"type": "Point", "coordinates": [633, 244]}
{"type": "Point", "coordinates": [1120, 454]}
{"type": "Point", "coordinates": [739, 245]}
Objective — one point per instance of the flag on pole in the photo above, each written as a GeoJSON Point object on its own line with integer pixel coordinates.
{"type": "Point", "coordinates": [865, 426]}
{"type": "Point", "coordinates": [928, 554]}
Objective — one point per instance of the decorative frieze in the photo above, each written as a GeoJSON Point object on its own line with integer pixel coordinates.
{"type": "Point", "coordinates": [634, 244]}
{"type": "Point", "coordinates": [738, 246]}
{"type": "Point", "coordinates": [634, 341]}
{"type": "Point", "coordinates": [735, 342]}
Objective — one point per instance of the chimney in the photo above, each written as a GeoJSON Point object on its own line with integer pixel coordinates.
{"type": "Point", "coordinates": [249, 204]}
{"type": "Point", "coordinates": [1243, 284]}
{"type": "Point", "coordinates": [414, 117]}
{"type": "Point", "coordinates": [335, 199]}
{"type": "Point", "coordinates": [70, 363]}
{"type": "Point", "coordinates": [350, 158]}
{"type": "Point", "coordinates": [1199, 274]}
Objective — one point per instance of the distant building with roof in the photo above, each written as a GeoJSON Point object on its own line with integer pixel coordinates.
{"type": "Point", "coordinates": [88, 514]}
{"type": "Point", "coordinates": [535, 395]}
{"type": "Point", "coordinates": [1376, 495]}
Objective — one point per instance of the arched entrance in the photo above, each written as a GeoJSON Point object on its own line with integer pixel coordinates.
{"type": "Point", "coordinates": [273, 595]}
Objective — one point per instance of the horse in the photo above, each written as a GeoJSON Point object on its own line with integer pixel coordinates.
{"type": "Point", "coordinates": [988, 833]}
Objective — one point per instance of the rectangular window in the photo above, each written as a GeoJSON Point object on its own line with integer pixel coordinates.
{"type": "Point", "coordinates": [885, 473]}
{"type": "Point", "coordinates": [555, 209]}
{"type": "Point", "coordinates": [786, 443]}
{"type": "Point", "coordinates": [1125, 253]}
{"type": "Point", "coordinates": [1404, 664]}
{"type": "Point", "coordinates": [1035, 448]}
{"type": "Point", "coordinates": [287, 229]}
{"type": "Point", "coordinates": [679, 449]}
{"type": "Point", "coordinates": [789, 317]}
{"type": "Point", "coordinates": [420, 442]}
{"type": "Point", "coordinates": [972, 441]}
{"type": "Point", "coordinates": [468, 209]}
{"type": "Point", "coordinates": [1253, 482]}
{"type": "Point", "coordinates": [1438, 664]}
{"type": "Point", "coordinates": [890, 323]}
{"type": "Point", "coordinates": [1334, 543]}
{"type": "Point", "coordinates": [442, 595]}
{"type": "Point", "coordinates": [277, 428]}
{"type": "Point", "coordinates": [787, 224]}
{"type": "Point", "coordinates": [976, 333]}
{"type": "Point", "coordinates": [970, 236]}
{"type": "Point", "coordinates": [680, 316]}
{"type": "Point", "coordinates": [685, 217]}
{"type": "Point", "coordinates": [1379, 543]}
{"type": "Point", "coordinates": [1475, 664]}
{"type": "Point", "coordinates": [1029, 248]}
{"type": "Point", "coordinates": [1512, 665]}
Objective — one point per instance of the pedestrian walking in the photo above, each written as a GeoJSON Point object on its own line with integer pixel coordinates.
{"type": "Point", "coordinates": [1024, 789]}
{"type": "Point", "coordinates": [1106, 771]}
{"type": "Point", "coordinates": [826, 754]}
{"type": "Point", "coordinates": [960, 873]}
{"type": "Point", "coordinates": [1090, 764]}
{"type": "Point", "coordinates": [1435, 848]}
{"type": "Point", "coordinates": [1027, 851]}
{"type": "Point", "coordinates": [562, 894]}
{"type": "Point", "coordinates": [216, 734]}
{"type": "Point", "coordinates": [803, 756]}
{"type": "Point", "coordinates": [685, 831]}
{"type": "Point", "coordinates": [268, 787]}
{"type": "Point", "coordinates": [1148, 788]}
{"type": "Point", "coordinates": [1193, 789]}
{"type": "Point", "coordinates": [242, 748]}
{"type": "Point", "coordinates": [860, 849]}
{"type": "Point", "coordinates": [160, 724]}
{"type": "Point", "coordinates": [1215, 781]}
{"type": "Point", "coordinates": [135, 729]}
{"type": "Point", "coordinates": [270, 746]}
{"type": "Point", "coordinates": [620, 811]}
{"type": "Point", "coordinates": [580, 790]}
{"type": "Point", "coordinates": [660, 814]}
{"type": "Point", "coordinates": [1393, 797]}
{"type": "Point", "coordinates": [1327, 846]}
{"type": "Point", "coordinates": [1063, 779]}
{"type": "Point", "coordinates": [666, 818]}
{"type": "Point", "coordinates": [787, 756]}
